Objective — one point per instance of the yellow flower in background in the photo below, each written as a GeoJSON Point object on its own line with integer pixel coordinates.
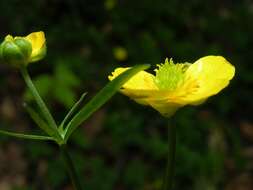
{"type": "Point", "coordinates": [110, 4]}
{"type": "Point", "coordinates": [176, 85]}
{"type": "Point", "coordinates": [120, 53]}
{"type": "Point", "coordinates": [18, 51]}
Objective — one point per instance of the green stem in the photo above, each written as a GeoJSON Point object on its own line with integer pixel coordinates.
{"type": "Point", "coordinates": [37, 97]}
{"type": "Point", "coordinates": [70, 167]}
{"type": "Point", "coordinates": [169, 175]}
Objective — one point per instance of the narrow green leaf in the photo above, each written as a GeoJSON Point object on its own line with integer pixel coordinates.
{"type": "Point", "coordinates": [72, 110]}
{"type": "Point", "coordinates": [102, 97]}
{"type": "Point", "coordinates": [25, 136]}
{"type": "Point", "coordinates": [41, 123]}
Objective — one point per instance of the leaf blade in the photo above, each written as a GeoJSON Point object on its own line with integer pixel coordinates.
{"type": "Point", "coordinates": [73, 109]}
{"type": "Point", "coordinates": [100, 98]}
{"type": "Point", "coordinates": [26, 136]}
{"type": "Point", "coordinates": [41, 123]}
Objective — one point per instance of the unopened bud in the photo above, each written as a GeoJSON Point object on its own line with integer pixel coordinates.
{"type": "Point", "coordinates": [20, 51]}
{"type": "Point", "coordinates": [15, 51]}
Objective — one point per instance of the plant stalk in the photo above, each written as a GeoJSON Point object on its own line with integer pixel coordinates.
{"type": "Point", "coordinates": [37, 97]}
{"type": "Point", "coordinates": [70, 167]}
{"type": "Point", "coordinates": [169, 175]}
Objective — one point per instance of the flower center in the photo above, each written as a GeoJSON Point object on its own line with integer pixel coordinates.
{"type": "Point", "coordinates": [170, 75]}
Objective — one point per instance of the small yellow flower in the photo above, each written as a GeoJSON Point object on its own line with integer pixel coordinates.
{"type": "Point", "coordinates": [18, 51]}
{"type": "Point", "coordinates": [177, 85]}
{"type": "Point", "coordinates": [120, 53]}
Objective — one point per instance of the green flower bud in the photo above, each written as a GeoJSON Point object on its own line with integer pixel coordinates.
{"type": "Point", "coordinates": [20, 51]}
{"type": "Point", "coordinates": [15, 51]}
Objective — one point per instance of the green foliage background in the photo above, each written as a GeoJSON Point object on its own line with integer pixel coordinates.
{"type": "Point", "coordinates": [124, 145]}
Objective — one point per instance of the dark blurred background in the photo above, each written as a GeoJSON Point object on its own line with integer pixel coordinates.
{"type": "Point", "coordinates": [123, 146]}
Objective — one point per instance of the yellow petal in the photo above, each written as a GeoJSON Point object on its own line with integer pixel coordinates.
{"type": "Point", "coordinates": [139, 87]}
{"type": "Point", "coordinates": [165, 108]}
{"type": "Point", "coordinates": [38, 41]}
{"type": "Point", "coordinates": [209, 75]}
{"type": "Point", "coordinates": [141, 81]}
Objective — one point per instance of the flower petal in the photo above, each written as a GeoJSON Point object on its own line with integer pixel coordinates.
{"type": "Point", "coordinates": [141, 81]}
{"type": "Point", "coordinates": [38, 41]}
{"type": "Point", "coordinates": [167, 109]}
{"type": "Point", "coordinates": [210, 75]}
{"type": "Point", "coordinates": [139, 87]}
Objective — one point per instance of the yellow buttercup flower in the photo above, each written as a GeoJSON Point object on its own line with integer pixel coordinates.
{"type": "Point", "coordinates": [19, 51]}
{"type": "Point", "coordinates": [176, 85]}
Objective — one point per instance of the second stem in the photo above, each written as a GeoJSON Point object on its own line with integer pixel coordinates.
{"type": "Point", "coordinates": [169, 175]}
